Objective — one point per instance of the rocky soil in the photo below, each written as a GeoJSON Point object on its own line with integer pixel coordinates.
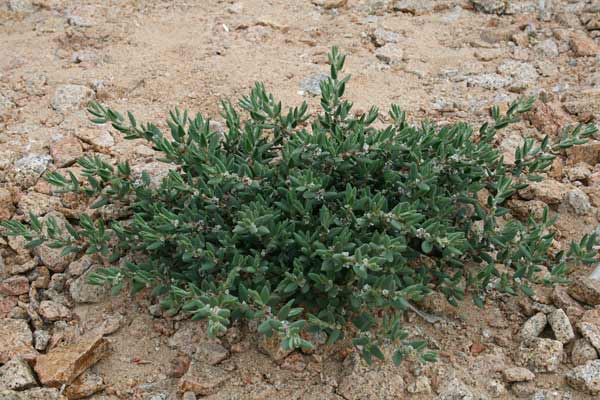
{"type": "Point", "coordinates": [448, 60]}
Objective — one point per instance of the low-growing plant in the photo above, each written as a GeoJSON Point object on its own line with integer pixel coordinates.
{"type": "Point", "coordinates": [316, 223]}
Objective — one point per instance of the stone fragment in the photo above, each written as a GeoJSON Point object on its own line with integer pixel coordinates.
{"type": "Point", "coordinates": [51, 257]}
{"type": "Point", "coordinates": [16, 375]}
{"type": "Point", "coordinates": [271, 346]}
{"type": "Point", "coordinates": [29, 168]}
{"type": "Point", "coordinates": [71, 97]}
{"type": "Point", "coordinates": [15, 286]}
{"type": "Point", "coordinates": [42, 394]}
{"type": "Point", "coordinates": [37, 204]}
{"type": "Point", "coordinates": [21, 6]}
{"type": "Point", "coordinates": [203, 379]}
{"type": "Point", "coordinates": [83, 292]}
{"type": "Point", "coordinates": [534, 326]}
{"type": "Point", "coordinates": [61, 365]}
{"type": "Point", "coordinates": [578, 201]}
{"type": "Point", "coordinates": [389, 53]}
{"type": "Point", "coordinates": [582, 352]}
{"type": "Point", "coordinates": [97, 137]}
{"type": "Point", "coordinates": [15, 340]}
{"type": "Point", "coordinates": [66, 151]}
{"type": "Point", "coordinates": [381, 36]}
{"type": "Point", "coordinates": [583, 45]}
{"type": "Point", "coordinates": [79, 267]}
{"type": "Point", "coordinates": [586, 290]}
{"type": "Point", "coordinates": [455, 389]}
{"type": "Point", "coordinates": [330, 4]}
{"type": "Point", "coordinates": [541, 355]}
{"type": "Point", "coordinates": [84, 386]}
{"type": "Point", "coordinates": [52, 311]}
{"type": "Point", "coordinates": [210, 353]}
{"type": "Point", "coordinates": [41, 338]}
{"type": "Point", "coordinates": [156, 170]}
{"type": "Point", "coordinates": [561, 326]}
{"type": "Point", "coordinates": [312, 84]}
{"type": "Point", "coordinates": [547, 48]}
{"type": "Point", "coordinates": [586, 378]}
{"type": "Point", "coordinates": [549, 191]}
{"type": "Point", "coordinates": [517, 374]}
{"type": "Point", "coordinates": [421, 385]}
{"type": "Point", "coordinates": [7, 208]}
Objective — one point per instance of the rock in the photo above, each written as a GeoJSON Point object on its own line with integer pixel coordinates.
{"type": "Point", "coordinates": [16, 375]}
{"type": "Point", "coordinates": [32, 394]}
{"type": "Point", "coordinates": [21, 6]}
{"type": "Point", "coordinates": [508, 145]}
{"type": "Point", "coordinates": [271, 346]}
{"type": "Point", "coordinates": [586, 290]}
{"type": "Point", "coordinates": [561, 326]}
{"type": "Point", "coordinates": [489, 6]}
{"type": "Point", "coordinates": [455, 389]}
{"type": "Point", "coordinates": [421, 385]}
{"type": "Point", "coordinates": [189, 396]}
{"type": "Point", "coordinates": [578, 201]}
{"type": "Point", "coordinates": [591, 331]}
{"type": "Point", "coordinates": [203, 379]}
{"type": "Point", "coordinates": [519, 71]}
{"type": "Point", "coordinates": [98, 138]}
{"type": "Point", "coordinates": [330, 4]}
{"type": "Point", "coordinates": [61, 365]}
{"type": "Point", "coordinates": [179, 366]}
{"type": "Point", "coordinates": [414, 7]}
{"type": "Point", "coordinates": [186, 338]}
{"type": "Point", "coordinates": [389, 53]}
{"type": "Point", "coordinates": [15, 286]}
{"type": "Point", "coordinates": [156, 170]}
{"type": "Point", "coordinates": [365, 383]}
{"type": "Point", "coordinates": [41, 338]}
{"type": "Point", "coordinates": [210, 353]}
{"type": "Point", "coordinates": [582, 352]}
{"type": "Point", "coordinates": [540, 355]}
{"type": "Point", "coordinates": [488, 81]}
{"type": "Point", "coordinates": [585, 104]}
{"type": "Point", "coordinates": [111, 324]}
{"type": "Point", "coordinates": [585, 378]}
{"type": "Point", "coordinates": [517, 374]}
{"type": "Point", "coordinates": [71, 97]}
{"type": "Point", "coordinates": [547, 48]}
{"type": "Point", "coordinates": [50, 257]}
{"type": "Point", "coordinates": [496, 388]}
{"type": "Point", "coordinates": [579, 172]}
{"type": "Point", "coordinates": [66, 151]}
{"type": "Point", "coordinates": [79, 267]}
{"type": "Point", "coordinates": [583, 45]}
{"type": "Point", "coordinates": [51, 311]}
{"type": "Point", "coordinates": [29, 168]}
{"type": "Point", "coordinates": [57, 282]}
{"type": "Point", "coordinates": [15, 340]}
{"type": "Point", "coordinates": [24, 268]}
{"type": "Point", "coordinates": [549, 191]}
{"type": "Point", "coordinates": [37, 204]}
{"type": "Point", "coordinates": [83, 292]}
{"type": "Point", "coordinates": [380, 37]}
{"type": "Point", "coordinates": [311, 84]}
{"type": "Point", "coordinates": [6, 305]}
{"type": "Point", "coordinates": [533, 326]}
{"type": "Point", "coordinates": [84, 385]}
{"type": "Point", "coordinates": [7, 208]}
{"type": "Point", "coordinates": [588, 153]}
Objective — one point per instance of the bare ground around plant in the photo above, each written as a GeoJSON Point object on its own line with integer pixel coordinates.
{"type": "Point", "coordinates": [443, 60]}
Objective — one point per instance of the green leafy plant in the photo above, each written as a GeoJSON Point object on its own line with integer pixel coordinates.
{"type": "Point", "coordinates": [316, 223]}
